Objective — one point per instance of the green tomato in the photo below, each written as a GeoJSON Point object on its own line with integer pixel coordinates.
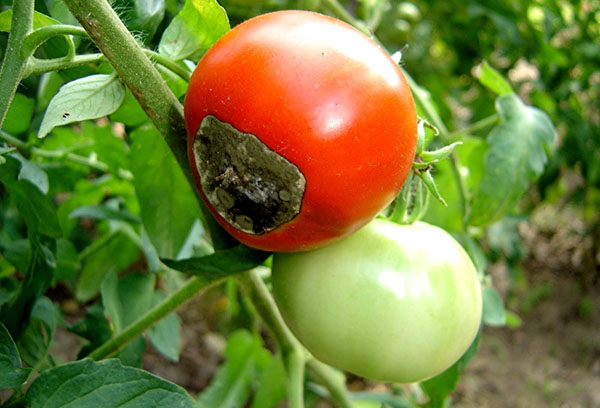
{"type": "Point", "coordinates": [398, 303]}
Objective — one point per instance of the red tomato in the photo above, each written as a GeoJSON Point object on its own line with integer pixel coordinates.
{"type": "Point", "coordinates": [300, 130]}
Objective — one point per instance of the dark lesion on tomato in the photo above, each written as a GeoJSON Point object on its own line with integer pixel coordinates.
{"type": "Point", "coordinates": [253, 188]}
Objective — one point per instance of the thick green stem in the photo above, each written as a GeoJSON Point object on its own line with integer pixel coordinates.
{"type": "Point", "coordinates": [145, 83]}
{"type": "Point", "coordinates": [190, 289]}
{"type": "Point", "coordinates": [294, 364]}
{"type": "Point", "coordinates": [12, 66]}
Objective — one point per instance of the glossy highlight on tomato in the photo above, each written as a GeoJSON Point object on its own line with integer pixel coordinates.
{"type": "Point", "coordinates": [397, 303]}
{"type": "Point", "coordinates": [301, 129]}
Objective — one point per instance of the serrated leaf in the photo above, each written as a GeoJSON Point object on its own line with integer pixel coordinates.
{"type": "Point", "coordinates": [106, 384]}
{"type": "Point", "coordinates": [493, 80]}
{"type": "Point", "coordinates": [221, 263]}
{"type": "Point", "coordinates": [90, 97]}
{"type": "Point", "coordinates": [12, 374]}
{"type": "Point", "coordinates": [194, 29]}
{"type": "Point", "coordinates": [168, 207]}
{"type": "Point", "coordinates": [516, 156]}
{"type": "Point", "coordinates": [493, 308]}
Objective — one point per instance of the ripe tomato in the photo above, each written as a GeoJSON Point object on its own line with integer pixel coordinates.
{"type": "Point", "coordinates": [300, 130]}
{"type": "Point", "coordinates": [391, 302]}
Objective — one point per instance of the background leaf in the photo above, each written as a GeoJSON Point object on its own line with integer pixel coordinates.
{"type": "Point", "coordinates": [515, 157]}
{"type": "Point", "coordinates": [194, 29]}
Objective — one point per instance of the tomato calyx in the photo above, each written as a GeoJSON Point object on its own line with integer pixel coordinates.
{"type": "Point", "coordinates": [252, 187]}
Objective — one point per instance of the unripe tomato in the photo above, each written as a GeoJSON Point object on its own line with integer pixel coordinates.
{"type": "Point", "coordinates": [390, 302]}
{"type": "Point", "coordinates": [300, 130]}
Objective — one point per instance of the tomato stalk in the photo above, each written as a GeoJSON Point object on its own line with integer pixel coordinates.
{"type": "Point", "coordinates": [13, 65]}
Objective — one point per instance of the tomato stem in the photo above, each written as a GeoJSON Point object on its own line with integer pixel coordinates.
{"type": "Point", "coordinates": [11, 71]}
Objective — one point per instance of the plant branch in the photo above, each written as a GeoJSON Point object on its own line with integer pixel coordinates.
{"type": "Point", "coordinates": [338, 10]}
{"type": "Point", "coordinates": [13, 66]}
{"type": "Point", "coordinates": [13, 140]}
{"type": "Point", "coordinates": [36, 38]}
{"type": "Point", "coordinates": [191, 288]}
{"type": "Point", "coordinates": [145, 83]}
{"type": "Point", "coordinates": [36, 66]}
{"type": "Point", "coordinates": [291, 349]}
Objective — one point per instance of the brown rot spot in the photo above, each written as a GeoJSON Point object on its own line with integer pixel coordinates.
{"type": "Point", "coordinates": [252, 187]}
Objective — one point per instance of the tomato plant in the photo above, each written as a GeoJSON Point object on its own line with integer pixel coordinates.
{"type": "Point", "coordinates": [391, 302]}
{"type": "Point", "coordinates": [300, 130]}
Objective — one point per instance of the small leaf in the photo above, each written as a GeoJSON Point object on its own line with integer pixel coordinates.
{"type": "Point", "coordinates": [427, 179]}
{"type": "Point", "coordinates": [516, 156]}
{"type": "Point", "coordinates": [90, 97]}
{"type": "Point", "coordinates": [194, 29]}
{"type": "Point", "coordinates": [439, 154]}
{"type": "Point", "coordinates": [271, 386]}
{"type": "Point", "coordinates": [12, 374]}
{"type": "Point", "coordinates": [32, 173]}
{"type": "Point", "coordinates": [105, 384]}
{"type": "Point", "coordinates": [94, 327]}
{"type": "Point", "coordinates": [493, 308]}
{"type": "Point", "coordinates": [493, 80]}
{"type": "Point", "coordinates": [221, 263]}
{"type": "Point", "coordinates": [102, 212]}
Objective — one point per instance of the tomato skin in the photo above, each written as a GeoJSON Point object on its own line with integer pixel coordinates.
{"type": "Point", "coordinates": [390, 302]}
{"type": "Point", "coordinates": [326, 98]}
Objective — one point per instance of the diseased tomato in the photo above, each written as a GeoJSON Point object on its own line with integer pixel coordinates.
{"type": "Point", "coordinates": [300, 130]}
{"type": "Point", "coordinates": [398, 303]}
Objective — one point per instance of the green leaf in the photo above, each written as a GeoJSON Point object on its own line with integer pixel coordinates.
{"type": "Point", "coordinates": [110, 149]}
{"type": "Point", "coordinates": [272, 385]}
{"type": "Point", "coordinates": [90, 97]}
{"type": "Point", "coordinates": [94, 327]}
{"type": "Point", "coordinates": [32, 173]}
{"type": "Point", "coordinates": [194, 29]}
{"type": "Point", "coordinates": [39, 20]}
{"type": "Point", "coordinates": [18, 117]}
{"type": "Point", "coordinates": [67, 260]}
{"type": "Point", "coordinates": [231, 386]}
{"type": "Point", "coordinates": [35, 341]}
{"type": "Point", "coordinates": [117, 253]}
{"type": "Point", "coordinates": [106, 384]}
{"type": "Point", "coordinates": [516, 156]}
{"type": "Point", "coordinates": [17, 252]}
{"type": "Point", "coordinates": [168, 207]}
{"type": "Point", "coordinates": [221, 263]}
{"type": "Point", "coordinates": [102, 212]}
{"type": "Point", "coordinates": [12, 374]}
{"type": "Point", "coordinates": [127, 298]}
{"type": "Point", "coordinates": [36, 208]}
{"type": "Point", "coordinates": [130, 113]}
{"type": "Point", "coordinates": [165, 336]}
{"type": "Point", "coordinates": [493, 308]}
{"type": "Point", "coordinates": [493, 80]}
